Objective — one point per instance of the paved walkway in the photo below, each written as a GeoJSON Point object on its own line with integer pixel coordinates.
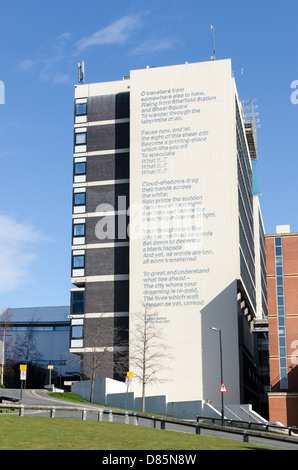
{"type": "Point", "coordinates": [40, 397]}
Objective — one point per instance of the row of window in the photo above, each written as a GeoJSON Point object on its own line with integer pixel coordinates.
{"type": "Point", "coordinates": [79, 194]}
{"type": "Point", "coordinates": [80, 135]}
{"type": "Point", "coordinates": [283, 372]}
{"type": "Point", "coordinates": [53, 362]}
{"type": "Point", "coordinates": [38, 328]}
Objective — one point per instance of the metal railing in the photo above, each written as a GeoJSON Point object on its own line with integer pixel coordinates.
{"type": "Point", "coordinates": [158, 422]}
{"type": "Point", "coordinates": [266, 427]}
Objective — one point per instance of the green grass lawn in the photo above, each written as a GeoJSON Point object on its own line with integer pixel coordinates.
{"type": "Point", "coordinates": [39, 433]}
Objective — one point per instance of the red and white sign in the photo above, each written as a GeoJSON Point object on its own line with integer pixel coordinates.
{"type": "Point", "coordinates": [223, 388]}
{"type": "Point", "coordinates": [23, 374]}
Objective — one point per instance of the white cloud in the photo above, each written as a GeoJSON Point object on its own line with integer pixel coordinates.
{"type": "Point", "coordinates": [115, 33]}
{"type": "Point", "coordinates": [153, 45]}
{"type": "Point", "coordinates": [27, 64]}
{"type": "Point", "coordinates": [47, 61]}
{"type": "Point", "coordinates": [60, 78]}
{"type": "Point", "coordinates": [64, 36]}
{"type": "Point", "coordinates": [16, 253]}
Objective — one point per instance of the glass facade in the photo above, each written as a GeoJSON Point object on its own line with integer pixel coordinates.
{"type": "Point", "coordinates": [281, 325]}
{"type": "Point", "coordinates": [245, 201]}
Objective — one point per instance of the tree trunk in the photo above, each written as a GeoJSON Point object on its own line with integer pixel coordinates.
{"type": "Point", "coordinates": [92, 384]}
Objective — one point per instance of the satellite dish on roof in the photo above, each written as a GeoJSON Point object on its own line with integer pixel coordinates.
{"type": "Point", "coordinates": [81, 72]}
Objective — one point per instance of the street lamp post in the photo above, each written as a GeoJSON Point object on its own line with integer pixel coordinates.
{"type": "Point", "coordinates": [221, 373]}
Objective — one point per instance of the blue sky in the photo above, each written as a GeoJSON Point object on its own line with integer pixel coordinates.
{"type": "Point", "coordinates": [41, 44]}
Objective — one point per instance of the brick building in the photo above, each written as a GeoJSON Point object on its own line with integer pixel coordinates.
{"type": "Point", "coordinates": [282, 283]}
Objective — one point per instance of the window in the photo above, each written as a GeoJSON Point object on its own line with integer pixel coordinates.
{"type": "Point", "coordinates": [79, 230]}
{"type": "Point", "coordinates": [281, 311]}
{"type": "Point", "coordinates": [281, 321]}
{"type": "Point", "coordinates": [283, 361]}
{"type": "Point", "coordinates": [278, 250]}
{"type": "Point", "coordinates": [278, 260]}
{"type": "Point", "coordinates": [77, 302]}
{"type": "Point", "coordinates": [77, 332]}
{"type": "Point", "coordinates": [80, 138]}
{"type": "Point", "coordinates": [80, 168]}
{"type": "Point", "coordinates": [280, 290]}
{"type": "Point", "coordinates": [79, 199]}
{"type": "Point", "coordinates": [81, 109]}
{"type": "Point", "coordinates": [78, 261]}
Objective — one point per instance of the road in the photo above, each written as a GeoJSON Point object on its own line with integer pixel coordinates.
{"type": "Point", "coordinates": [41, 397]}
{"type": "Point", "coordinates": [36, 397]}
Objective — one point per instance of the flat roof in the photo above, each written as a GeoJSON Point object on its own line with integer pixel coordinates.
{"type": "Point", "coordinates": [36, 314]}
{"type": "Point", "coordinates": [285, 234]}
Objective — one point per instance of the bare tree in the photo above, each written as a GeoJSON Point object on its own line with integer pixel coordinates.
{"type": "Point", "coordinates": [147, 349]}
{"type": "Point", "coordinates": [106, 346]}
{"type": "Point", "coordinates": [26, 344]}
{"type": "Point", "coordinates": [5, 320]}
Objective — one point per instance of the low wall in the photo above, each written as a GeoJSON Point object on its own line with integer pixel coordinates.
{"type": "Point", "coordinates": [156, 405]}
{"type": "Point", "coordinates": [108, 392]}
{"type": "Point", "coordinates": [121, 400]}
{"type": "Point", "coordinates": [185, 409]}
{"type": "Point", "coordinates": [102, 389]}
{"type": "Point", "coordinates": [82, 389]}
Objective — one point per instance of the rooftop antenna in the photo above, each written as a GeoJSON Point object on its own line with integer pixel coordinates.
{"type": "Point", "coordinates": [81, 72]}
{"type": "Point", "coordinates": [241, 71]}
{"type": "Point", "coordinates": [213, 57]}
